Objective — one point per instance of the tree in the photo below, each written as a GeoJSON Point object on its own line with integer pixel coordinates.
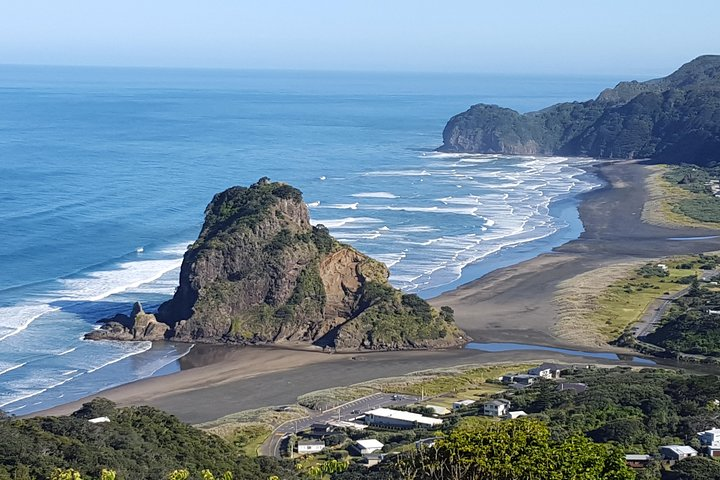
{"type": "Point", "coordinates": [698, 468]}
{"type": "Point", "coordinates": [516, 449]}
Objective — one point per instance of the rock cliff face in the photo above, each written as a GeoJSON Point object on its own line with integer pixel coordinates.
{"type": "Point", "coordinates": [138, 326]}
{"type": "Point", "coordinates": [672, 119]}
{"type": "Point", "coordinates": [261, 273]}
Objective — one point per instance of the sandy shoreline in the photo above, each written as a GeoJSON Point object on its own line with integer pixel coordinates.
{"type": "Point", "coordinates": [512, 304]}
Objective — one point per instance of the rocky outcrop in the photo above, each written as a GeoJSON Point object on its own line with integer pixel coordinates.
{"type": "Point", "coordinates": [259, 272]}
{"type": "Point", "coordinates": [672, 119]}
{"type": "Point", "coordinates": [138, 326]}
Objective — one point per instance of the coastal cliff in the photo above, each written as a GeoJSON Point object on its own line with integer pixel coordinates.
{"type": "Point", "coordinates": [674, 119]}
{"type": "Point", "coordinates": [260, 273]}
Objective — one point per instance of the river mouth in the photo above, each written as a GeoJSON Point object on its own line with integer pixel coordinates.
{"type": "Point", "coordinates": [508, 347]}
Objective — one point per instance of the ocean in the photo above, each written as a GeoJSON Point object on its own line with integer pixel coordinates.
{"type": "Point", "coordinates": [106, 174]}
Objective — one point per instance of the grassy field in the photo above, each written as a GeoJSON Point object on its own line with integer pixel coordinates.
{"type": "Point", "coordinates": [250, 428]}
{"type": "Point", "coordinates": [452, 380]}
{"type": "Point", "coordinates": [598, 306]}
{"type": "Point", "coordinates": [668, 205]}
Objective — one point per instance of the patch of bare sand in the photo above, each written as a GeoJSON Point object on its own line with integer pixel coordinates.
{"type": "Point", "coordinates": [577, 298]}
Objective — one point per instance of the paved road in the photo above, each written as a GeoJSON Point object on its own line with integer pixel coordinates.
{"type": "Point", "coordinates": [347, 411]}
{"type": "Point", "coordinates": [656, 310]}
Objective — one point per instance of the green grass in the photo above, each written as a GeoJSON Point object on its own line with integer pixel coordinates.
{"type": "Point", "coordinates": [624, 302]}
{"type": "Point", "coordinates": [447, 380]}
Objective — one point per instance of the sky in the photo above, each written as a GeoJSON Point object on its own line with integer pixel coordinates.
{"type": "Point", "coordinates": [511, 36]}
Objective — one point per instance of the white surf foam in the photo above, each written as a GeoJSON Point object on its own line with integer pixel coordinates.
{"type": "Point", "coordinates": [101, 284]}
{"type": "Point", "coordinates": [345, 222]}
{"type": "Point", "coordinates": [17, 318]}
{"type": "Point", "coordinates": [374, 195]}
{"type": "Point", "coordinates": [340, 206]}
{"type": "Point", "coordinates": [4, 368]}
{"type": "Point", "coordinates": [132, 348]}
{"type": "Point", "coordinates": [398, 173]}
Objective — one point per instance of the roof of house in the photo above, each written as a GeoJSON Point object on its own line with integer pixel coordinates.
{"type": "Point", "coordinates": [637, 458]}
{"type": "Point", "coordinates": [497, 403]}
{"type": "Point", "coordinates": [99, 420]}
{"type": "Point", "coordinates": [712, 431]}
{"type": "Point", "coordinates": [464, 402]}
{"type": "Point", "coordinates": [681, 449]}
{"type": "Point", "coordinates": [304, 441]}
{"type": "Point", "coordinates": [438, 410]}
{"type": "Point", "coordinates": [551, 366]}
{"type": "Point", "coordinates": [320, 426]}
{"type": "Point", "coordinates": [404, 416]}
{"type": "Point", "coordinates": [517, 413]}
{"type": "Point", "coordinates": [370, 443]}
{"type": "Point", "coordinates": [576, 387]}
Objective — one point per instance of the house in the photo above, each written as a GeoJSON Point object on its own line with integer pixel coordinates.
{"type": "Point", "coordinates": [387, 417]}
{"type": "Point", "coordinates": [710, 440]}
{"type": "Point", "coordinates": [346, 424]}
{"type": "Point", "coordinates": [576, 387]}
{"type": "Point", "coordinates": [438, 410]}
{"type": "Point", "coordinates": [368, 446]}
{"type": "Point", "coordinates": [320, 430]}
{"type": "Point", "coordinates": [373, 459]}
{"type": "Point", "coordinates": [462, 403]}
{"type": "Point", "coordinates": [526, 379]}
{"type": "Point", "coordinates": [546, 370]}
{"type": "Point", "coordinates": [496, 408]}
{"type": "Point", "coordinates": [305, 446]}
{"type": "Point", "coordinates": [507, 379]}
{"type": "Point", "coordinates": [637, 461]}
{"type": "Point", "coordinates": [516, 414]}
{"type": "Point", "coordinates": [99, 420]}
{"type": "Point", "coordinates": [677, 452]}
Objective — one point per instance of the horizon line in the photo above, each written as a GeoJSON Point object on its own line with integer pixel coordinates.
{"type": "Point", "coordinates": [337, 70]}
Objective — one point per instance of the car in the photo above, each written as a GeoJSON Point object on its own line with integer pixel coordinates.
{"type": "Point", "coordinates": [355, 412]}
{"type": "Point", "coordinates": [395, 397]}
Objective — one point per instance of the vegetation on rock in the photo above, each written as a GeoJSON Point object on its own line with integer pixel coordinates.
{"type": "Point", "coordinates": [259, 272]}
{"type": "Point", "coordinates": [673, 119]}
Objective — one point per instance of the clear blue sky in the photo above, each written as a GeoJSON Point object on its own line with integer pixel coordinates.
{"type": "Point", "coordinates": [512, 36]}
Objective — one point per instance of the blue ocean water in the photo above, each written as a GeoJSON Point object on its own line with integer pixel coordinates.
{"type": "Point", "coordinates": [106, 173]}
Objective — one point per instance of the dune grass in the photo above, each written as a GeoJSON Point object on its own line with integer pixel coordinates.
{"type": "Point", "coordinates": [250, 428]}
{"type": "Point", "coordinates": [667, 204]}
{"type": "Point", "coordinates": [598, 306]}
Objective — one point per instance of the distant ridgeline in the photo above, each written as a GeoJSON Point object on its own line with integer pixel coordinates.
{"type": "Point", "coordinates": [261, 273]}
{"type": "Point", "coordinates": [670, 120]}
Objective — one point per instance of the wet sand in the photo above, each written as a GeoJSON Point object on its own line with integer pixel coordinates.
{"type": "Point", "coordinates": [513, 304]}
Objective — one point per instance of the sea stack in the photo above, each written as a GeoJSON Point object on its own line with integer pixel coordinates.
{"type": "Point", "coordinates": [260, 273]}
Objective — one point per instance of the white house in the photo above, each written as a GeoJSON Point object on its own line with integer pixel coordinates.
{"type": "Point", "coordinates": [546, 370]}
{"type": "Point", "coordinates": [496, 408]}
{"type": "Point", "coordinates": [387, 417]}
{"type": "Point", "coordinates": [516, 414]}
{"type": "Point", "coordinates": [710, 440]}
{"type": "Point", "coordinates": [310, 446]}
{"type": "Point", "coordinates": [462, 403]}
{"type": "Point", "coordinates": [677, 452]}
{"type": "Point", "coordinates": [99, 420]}
{"type": "Point", "coordinates": [368, 446]}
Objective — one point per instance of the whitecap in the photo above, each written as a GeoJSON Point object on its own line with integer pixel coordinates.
{"type": "Point", "coordinates": [374, 195]}
{"type": "Point", "coordinates": [17, 318]}
{"type": "Point", "coordinates": [345, 222]}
